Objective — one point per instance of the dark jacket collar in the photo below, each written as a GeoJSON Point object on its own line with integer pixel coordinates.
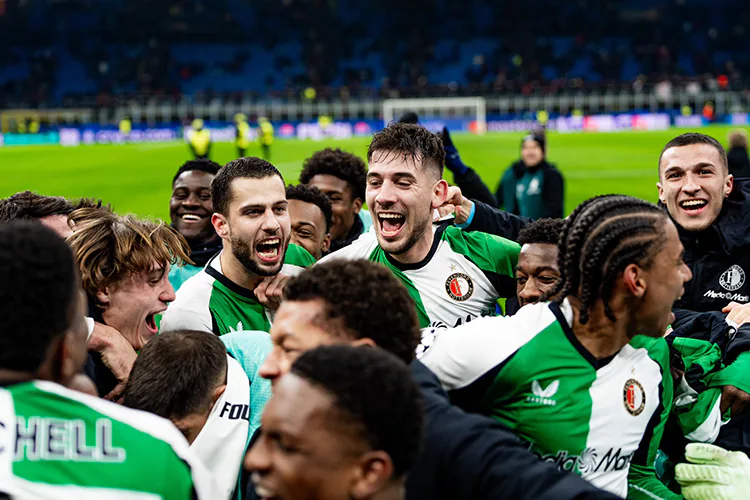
{"type": "Point", "coordinates": [201, 253]}
{"type": "Point", "coordinates": [355, 232]}
{"type": "Point", "coordinates": [520, 168]}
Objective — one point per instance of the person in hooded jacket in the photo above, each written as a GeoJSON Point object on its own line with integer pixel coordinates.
{"type": "Point", "coordinates": [739, 162]}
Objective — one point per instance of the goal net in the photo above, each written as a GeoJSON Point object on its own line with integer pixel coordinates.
{"type": "Point", "coordinates": [471, 109]}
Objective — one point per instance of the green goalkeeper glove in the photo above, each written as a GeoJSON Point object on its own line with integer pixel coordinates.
{"type": "Point", "coordinates": [714, 473]}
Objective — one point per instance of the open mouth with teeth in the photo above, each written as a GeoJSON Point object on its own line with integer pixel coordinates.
{"type": "Point", "coordinates": [269, 250]}
{"type": "Point", "coordinates": [191, 218]}
{"type": "Point", "coordinates": [693, 207]}
{"type": "Point", "coordinates": [391, 223]}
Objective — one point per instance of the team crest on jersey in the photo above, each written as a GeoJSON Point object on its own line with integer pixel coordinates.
{"type": "Point", "coordinates": [634, 397]}
{"type": "Point", "coordinates": [459, 286]}
{"type": "Point", "coordinates": [733, 278]}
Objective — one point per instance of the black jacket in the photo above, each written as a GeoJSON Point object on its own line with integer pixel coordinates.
{"type": "Point", "coordinates": [201, 253]}
{"type": "Point", "coordinates": [490, 220]}
{"type": "Point", "coordinates": [355, 232]}
{"type": "Point", "coordinates": [469, 456]}
{"type": "Point", "coordinates": [719, 256]}
{"type": "Point", "coordinates": [739, 163]}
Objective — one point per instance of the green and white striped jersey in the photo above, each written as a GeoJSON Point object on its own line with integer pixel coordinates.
{"type": "Point", "coordinates": [59, 444]}
{"type": "Point", "coordinates": [599, 418]}
{"type": "Point", "coordinates": [210, 302]}
{"type": "Point", "coordinates": [462, 277]}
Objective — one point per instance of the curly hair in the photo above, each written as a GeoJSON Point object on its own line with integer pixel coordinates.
{"type": "Point", "coordinates": [340, 164]}
{"type": "Point", "coordinates": [541, 231]}
{"type": "Point", "coordinates": [599, 240]}
{"type": "Point", "coordinates": [311, 194]}
{"type": "Point", "coordinates": [27, 205]}
{"type": "Point", "coordinates": [374, 392]}
{"type": "Point", "coordinates": [108, 247]}
{"type": "Point", "coordinates": [38, 293]}
{"type": "Point", "coordinates": [369, 300]}
{"type": "Point", "coordinates": [202, 165]}
{"type": "Point", "coordinates": [411, 140]}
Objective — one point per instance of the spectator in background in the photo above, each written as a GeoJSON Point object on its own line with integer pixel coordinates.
{"type": "Point", "coordinates": [190, 209]}
{"type": "Point", "coordinates": [311, 217]}
{"type": "Point", "coordinates": [739, 163]}
{"type": "Point", "coordinates": [199, 140]}
{"type": "Point", "coordinates": [532, 187]}
{"type": "Point", "coordinates": [341, 176]}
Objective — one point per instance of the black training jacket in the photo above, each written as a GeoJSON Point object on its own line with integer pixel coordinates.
{"type": "Point", "coordinates": [470, 456]}
{"type": "Point", "coordinates": [719, 256]}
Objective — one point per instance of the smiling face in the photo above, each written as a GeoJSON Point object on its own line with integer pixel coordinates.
{"type": "Point", "coordinates": [190, 206]}
{"type": "Point", "coordinates": [307, 450]}
{"type": "Point", "coordinates": [344, 204]}
{"type": "Point", "coordinates": [665, 280]}
{"type": "Point", "coordinates": [537, 273]}
{"type": "Point", "coordinates": [256, 228]}
{"type": "Point", "coordinates": [401, 194]}
{"type": "Point", "coordinates": [309, 227]}
{"type": "Point", "coordinates": [130, 305]}
{"type": "Point", "coordinates": [531, 153]}
{"type": "Point", "coordinates": [693, 183]}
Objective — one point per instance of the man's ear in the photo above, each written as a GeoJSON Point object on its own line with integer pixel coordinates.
{"type": "Point", "coordinates": [103, 296]}
{"type": "Point", "coordinates": [375, 468]}
{"type": "Point", "coordinates": [662, 196]}
{"type": "Point", "coordinates": [217, 393]}
{"type": "Point", "coordinates": [326, 243]}
{"type": "Point", "coordinates": [357, 205]}
{"type": "Point", "coordinates": [220, 225]}
{"type": "Point", "coordinates": [366, 341]}
{"type": "Point", "coordinates": [634, 281]}
{"type": "Point", "coordinates": [728, 185]}
{"type": "Point", "coordinates": [439, 193]}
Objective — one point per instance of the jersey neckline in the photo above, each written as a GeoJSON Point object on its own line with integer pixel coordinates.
{"type": "Point", "coordinates": [566, 326]}
{"type": "Point", "coordinates": [215, 273]}
{"type": "Point", "coordinates": [438, 235]}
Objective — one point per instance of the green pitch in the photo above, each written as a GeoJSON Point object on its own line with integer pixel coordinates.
{"type": "Point", "coordinates": [137, 178]}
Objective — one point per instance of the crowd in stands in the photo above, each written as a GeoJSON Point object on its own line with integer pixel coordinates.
{"type": "Point", "coordinates": [51, 53]}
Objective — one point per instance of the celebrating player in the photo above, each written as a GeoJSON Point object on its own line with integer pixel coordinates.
{"type": "Point", "coordinates": [252, 219]}
{"type": "Point", "coordinates": [453, 276]}
{"type": "Point", "coordinates": [340, 176]}
{"type": "Point", "coordinates": [311, 218]}
{"type": "Point", "coordinates": [190, 209]}
{"type": "Point", "coordinates": [622, 269]}
{"type": "Point", "coordinates": [188, 378]}
{"type": "Point", "coordinates": [56, 443]}
{"type": "Point", "coordinates": [463, 455]}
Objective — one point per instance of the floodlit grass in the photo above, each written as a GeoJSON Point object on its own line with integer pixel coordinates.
{"type": "Point", "coordinates": [137, 178]}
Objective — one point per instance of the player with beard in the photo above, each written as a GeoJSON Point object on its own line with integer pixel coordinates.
{"type": "Point", "coordinates": [240, 286]}
{"type": "Point", "coordinates": [585, 378]}
{"type": "Point", "coordinates": [190, 209]}
{"type": "Point", "coordinates": [453, 276]}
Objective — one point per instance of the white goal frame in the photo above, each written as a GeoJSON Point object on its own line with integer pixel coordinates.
{"type": "Point", "coordinates": [435, 104]}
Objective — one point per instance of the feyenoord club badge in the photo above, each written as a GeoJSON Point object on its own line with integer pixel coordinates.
{"type": "Point", "coordinates": [634, 397]}
{"type": "Point", "coordinates": [459, 286]}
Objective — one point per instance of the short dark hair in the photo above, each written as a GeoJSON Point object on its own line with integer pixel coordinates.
{"type": "Point", "coordinates": [411, 140]}
{"type": "Point", "coordinates": [176, 374]}
{"type": "Point", "coordinates": [369, 300]}
{"type": "Point", "coordinates": [374, 391]}
{"type": "Point", "coordinates": [345, 166]}
{"type": "Point", "coordinates": [599, 240]}
{"type": "Point", "coordinates": [38, 293]}
{"type": "Point", "coordinates": [409, 117]}
{"type": "Point", "coordinates": [690, 138]}
{"type": "Point", "coordinates": [27, 205]}
{"type": "Point", "coordinates": [203, 165]}
{"type": "Point", "coordinates": [541, 231]}
{"type": "Point", "coordinates": [311, 194]}
{"type": "Point", "coordinates": [241, 168]}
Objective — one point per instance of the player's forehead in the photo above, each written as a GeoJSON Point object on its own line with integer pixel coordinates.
{"type": "Point", "coordinates": [193, 179]}
{"type": "Point", "coordinates": [297, 408]}
{"type": "Point", "coordinates": [329, 183]}
{"type": "Point", "coordinates": [300, 319]}
{"type": "Point", "coordinates": [384, 163]}
{"type": "Point", "coordinates": [247, 191]}
{"type": "Point", "coordinates": [535, 255]}
{"type": "Point", "coordinates": [689, 157]}
{"type": "Point", "coordinates": [303, 212]}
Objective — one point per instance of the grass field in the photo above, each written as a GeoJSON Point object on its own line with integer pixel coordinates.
{"type": "Point", "coordinates": [137, 177]}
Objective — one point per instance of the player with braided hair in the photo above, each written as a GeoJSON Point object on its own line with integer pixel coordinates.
{"type": "Point", "coordinates": [585, 378]}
